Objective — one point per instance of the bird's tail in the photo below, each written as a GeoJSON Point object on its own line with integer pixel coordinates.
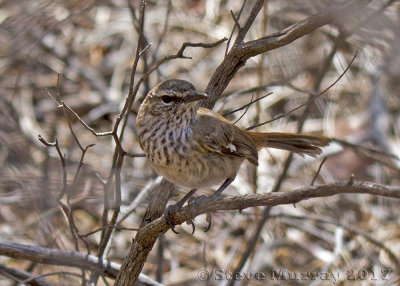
{"type": "Point", "coordinates": [298, 143]}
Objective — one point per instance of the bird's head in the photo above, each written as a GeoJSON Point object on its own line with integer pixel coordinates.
{"type": "Point", "coordinates": [171, 97]}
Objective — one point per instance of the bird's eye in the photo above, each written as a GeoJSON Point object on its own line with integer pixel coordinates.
{"type": "Point", "coordinates": [166, 99]}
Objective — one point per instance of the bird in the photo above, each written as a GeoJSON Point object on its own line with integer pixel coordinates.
{"type": "Point", "coordinates": [195, 147]}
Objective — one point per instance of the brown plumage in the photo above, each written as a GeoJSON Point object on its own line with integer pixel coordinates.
{"type": "Point", "coordinates": [196, 147]}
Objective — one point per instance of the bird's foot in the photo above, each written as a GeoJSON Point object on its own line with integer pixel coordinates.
{"type": "Point", "coordinates": [169, 216]}
{"type": "Point", "coordinates": [208, 219]}
{"type": "Point", "coordinates": [193, 201]}
{"type": "Point", "coordinates": [171, 210]}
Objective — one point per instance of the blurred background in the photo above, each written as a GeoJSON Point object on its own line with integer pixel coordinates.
{"type": "Point", "coordinates": [91, 46]}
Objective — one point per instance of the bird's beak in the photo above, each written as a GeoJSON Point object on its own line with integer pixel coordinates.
{"type": "Point", "coordinates": [194, 96]}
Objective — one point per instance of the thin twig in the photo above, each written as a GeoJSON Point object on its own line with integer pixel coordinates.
{"type": "Point", "coordinates": [318, 171]}
{"type": "Point", "coordinates": [248, 104]}
{"type": "Point", "coordinates": [311, 99]}
{"type": "Point", "coordinates": [234, 26]}
{"type": "Point", "coordinates": [65, 114]}
{"type": "Point", "coordinates": [237, 25]}
{"type": "Point", "coordinates": [350, 229]}
{"type": "Point", "coordinates": [249, 22]}
{"type": "Point", "coordinates": [62, 160]}
{"type": "Point", "coordinates": [117, 206]}
{"type": "Point", "coordinates": [65, 208]}
{"type": "Point", "coordinates": [164, 31]}
{"type": "Point", "coordinates": [118, 152]}
{"type": "Point", "coordinates": [102, 228]}
{"type": "Point", "coordinates": [366, 149]}
{"type": "Point", "coordinates": [247, 108]}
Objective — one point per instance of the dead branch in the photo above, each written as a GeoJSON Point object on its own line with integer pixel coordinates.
{"type": "Point", "coordinates": [213, 204]}
{"type": "Point", "coordinates": [21, 276]}
{"type": "Point", "coordinates": [65, 258]}
{"type": "Point", "coordinates": [148, 234]}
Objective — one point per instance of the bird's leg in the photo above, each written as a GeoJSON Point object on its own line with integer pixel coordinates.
{"type": "Point", "coordinates": [171, 209]}
{"type": "Point", "coordinates": [168, 214]}
{"type": "Point", "coordinates": [218, 192]}
{"type": "Point", "coordinates": [223, 186]}
{"type": "Point", "coordinates": [182, 201]}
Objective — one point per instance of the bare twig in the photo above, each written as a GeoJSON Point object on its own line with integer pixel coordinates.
{"type": "Point", "coordinates": [250, 19]}
{"type": "Point", "coordinates": [148, 234]}
{"type": "Point", "coordinates": [310, 100]}
{"type": "Point", "coordinates": [118, 152]}
{"type": "Point", "coordinates": [179, 54]}
{"type": "Point", "coordinates": [62, 160]}
{"type": "Point", "coordinates": [350, 229]}
{"type": "Point", "coordinates": [102, 228]}
{"type": "Point", "coordinates": [318, 171]}
{"type": "Point", "coordinates": [248, 104]}
{"type": "Point", "coordinates": [236, 20]}
{"type": "Point", "coordinates": [247, 108]}
{"type": "Point", "coordinates": [110, 227]}
{"type": "Point", "coordinates": [237, 25]}
{"type": "Point", "coordinates": [65, 208]}
{"type": "Point", "coordinates": [366, 149]}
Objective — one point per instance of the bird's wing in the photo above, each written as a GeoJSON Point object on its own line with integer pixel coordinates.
{"type": "Point", "coordinates": [217, 134]}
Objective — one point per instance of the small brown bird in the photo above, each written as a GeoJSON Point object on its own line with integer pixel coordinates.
{"type": "Point", "coordinates": [195, 147]}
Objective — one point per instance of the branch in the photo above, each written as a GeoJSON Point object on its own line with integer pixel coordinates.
{"type": "Point", "coordinates": [65, 258]}
{"type": "Point", "coordinates": [253, 14]}
{"type": "Point", "coordinates": [59, 257]}
{"type": "Point", "coordinates": [148, 234]}
{"type": "Point", "coordinates": [20, 275]}
{"type": "Point", "coordinates": [298, 30]}
{"type": "Point", "coordinates": [212, 204]}
{"type": "Point", "coordinates": [242, 51]}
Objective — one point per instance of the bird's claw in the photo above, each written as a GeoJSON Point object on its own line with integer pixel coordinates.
{"type": "Point", "coordinates": [190, 221]}
{"type": "Point", "coordinates": [169, 214]}
{"type": "Point", "coordinates": [169, 218]}
{"type": "Point", "coordinates": [196, 200]}
{"type": "Point", "coordinates": [208, 219]}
